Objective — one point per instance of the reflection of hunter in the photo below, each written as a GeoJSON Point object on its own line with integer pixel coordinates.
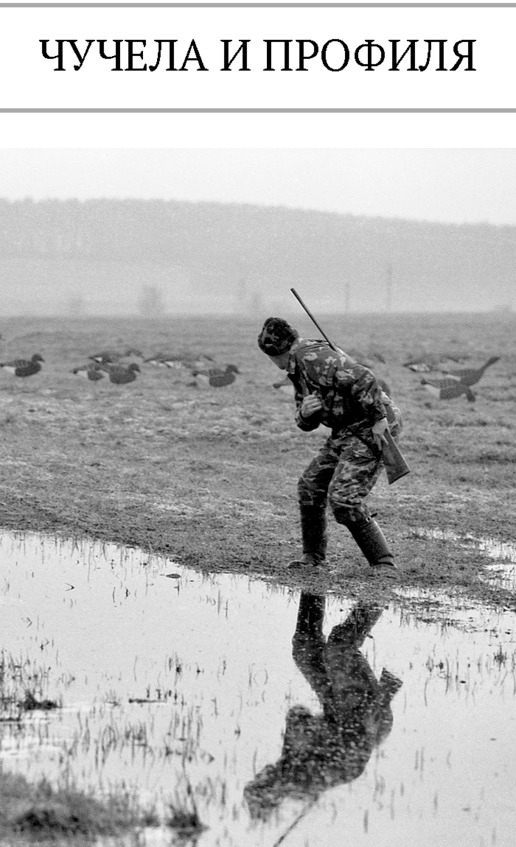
{"type": "Point", "coordinates": [321, 751]}
{"type": "Point", "coordinates": [334, 390]}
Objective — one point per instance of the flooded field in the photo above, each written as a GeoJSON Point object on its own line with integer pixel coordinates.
{"type": "Point", "coordinates": [279, 717]}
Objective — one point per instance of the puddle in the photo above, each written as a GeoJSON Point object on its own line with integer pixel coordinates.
{"type": "Point", "coordinates": [502, 572]}
{"type": "Point", "coordinates": [368, 723]}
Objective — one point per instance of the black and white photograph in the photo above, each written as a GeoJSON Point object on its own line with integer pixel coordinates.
{"type": "Point", "coordinates": [258, 536]}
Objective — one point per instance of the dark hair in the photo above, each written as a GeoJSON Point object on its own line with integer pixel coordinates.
{"type": "Point", "coordinates": [276, 337]}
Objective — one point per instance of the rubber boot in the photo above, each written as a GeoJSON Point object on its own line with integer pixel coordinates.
{"type": "Point", "coordinates": [313, 534]}
{"type": "Point", "coordinates": [373, 545]}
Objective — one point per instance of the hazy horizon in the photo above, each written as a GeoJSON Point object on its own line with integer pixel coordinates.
{"type": "Point", "coordinates": [449, 186]}
{"type": "Point", "coordinates": [403, 243]}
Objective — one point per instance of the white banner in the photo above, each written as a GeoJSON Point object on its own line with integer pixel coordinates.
{"type": "Point", "coordinates": [252, 58]}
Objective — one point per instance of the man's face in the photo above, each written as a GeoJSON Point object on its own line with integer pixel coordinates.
{"type": "Point", "coordinates": [281, 361]}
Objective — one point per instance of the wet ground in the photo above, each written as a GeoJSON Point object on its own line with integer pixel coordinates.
{"type": "Point", "coordinates": [281, 717]}
{"type": "Point", "coordinates": [502, 571]}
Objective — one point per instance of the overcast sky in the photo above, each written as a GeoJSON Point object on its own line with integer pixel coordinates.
{"type": "Point", "coordinates": [449, 185]}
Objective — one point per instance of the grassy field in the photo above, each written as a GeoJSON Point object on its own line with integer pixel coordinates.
{"type": "Point", "coordinates": [208, 476]}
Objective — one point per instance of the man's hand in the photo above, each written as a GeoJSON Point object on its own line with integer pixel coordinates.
{"type": "Point", "coordinates": [379, 429]}
{"type": "Point", "coordinates": [310, 405]}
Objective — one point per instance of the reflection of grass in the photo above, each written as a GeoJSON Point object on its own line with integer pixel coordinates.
{"type": "Point", "coordinates": [184, 815]}
{"type": "Point", "coordinates": [21, 688]}
{"type": "Point", "coordinates": [47, 812]}
{"type": "Point", "coordinates": [500, 657]}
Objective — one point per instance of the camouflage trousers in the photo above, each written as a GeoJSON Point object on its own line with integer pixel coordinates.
{"type": "Point", "coordinates": [343, 473]}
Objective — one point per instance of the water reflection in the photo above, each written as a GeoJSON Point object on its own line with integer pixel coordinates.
{"type": "Point", "coordinates": [324, 750]}
{"type": "Point", "coordinates": [198, 687]}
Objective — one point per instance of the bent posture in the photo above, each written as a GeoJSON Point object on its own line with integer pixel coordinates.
{"type": "Point", "coordinates": [332, 389]}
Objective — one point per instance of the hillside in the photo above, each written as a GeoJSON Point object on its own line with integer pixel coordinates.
{"type": "Point", "coordinates": [124, 257]}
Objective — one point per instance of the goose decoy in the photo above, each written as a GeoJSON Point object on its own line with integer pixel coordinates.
{"type": "Point", "coordinates": [166, 360]}
{"type": "Point", "coordinates": [106, 357]}
{"type": "Point", "coordinates": [448, 388]}
{"type": "Point", "coordinates": [92, 371]}
{"type": "Point", "coordinates": [24, 367]}
{"type": "Point", "coordinates": [470, 376]}
{"type": "Point", "coordinates": [428, 362]}
{"type": "Point", "coordinates": [215, 377]}
{"type": "Point", "coordinates": [121, 374]}
{"type": "Point", "coordinates": [180, 360]}
{"type": "Point", "coordinates": [158, 360]}
{"type": "Point", "coordinates": [422, 364]}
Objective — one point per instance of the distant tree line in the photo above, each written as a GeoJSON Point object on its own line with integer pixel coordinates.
{"type": "Point", "coordinates": [370, 264]}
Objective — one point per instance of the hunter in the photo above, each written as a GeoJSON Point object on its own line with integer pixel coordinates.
{"type": "Point", "coordinates": [333, 389]}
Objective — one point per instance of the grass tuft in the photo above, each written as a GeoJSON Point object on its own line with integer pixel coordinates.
{"type": "Point", "coordinates": [47, 812]}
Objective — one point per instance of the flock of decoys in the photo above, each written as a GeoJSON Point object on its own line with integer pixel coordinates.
{"type": "Point", "coordinates": [455, 382]}
{"type": "Point", "coordinates": [116, 367]}
{"type": "Point", "coordinates": [442, 380]}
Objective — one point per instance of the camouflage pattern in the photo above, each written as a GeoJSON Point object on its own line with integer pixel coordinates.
{"type": "Point", "coordinates": [343, 473]}
{"type": "Point", "coordinates": [349, 391]}
{"type": "Point", "coordinates": [349, 463]}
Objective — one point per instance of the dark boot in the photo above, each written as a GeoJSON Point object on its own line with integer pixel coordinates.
{"type": "Point", "coordinates": [373, 545]}
{"type": "Point", "coordinates": [310, 615]}
{"type": "Point", "coordinates": [313, 533]}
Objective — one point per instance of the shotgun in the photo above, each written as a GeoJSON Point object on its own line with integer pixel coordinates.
{"type": "Point", "coordinates": [395, 464]}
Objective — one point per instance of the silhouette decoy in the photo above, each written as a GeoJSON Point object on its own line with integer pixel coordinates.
{"type": "Point", "coordinates": [92, 371]}
{"type": "Point", "coordinates": [448, 388]}
{"type": "Point", "coordinates": [470, 376]}
{"type": "Point", "coordinates": [121, 374]}
{"type": "Point", "coordinates": [215, 377]}
{"type": "Point", "coordinates": [24, 367]}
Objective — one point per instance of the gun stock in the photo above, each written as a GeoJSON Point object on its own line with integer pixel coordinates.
{"type": "Point", "coordinates": [395, 464]}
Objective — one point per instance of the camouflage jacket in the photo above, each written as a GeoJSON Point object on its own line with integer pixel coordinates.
{"type": "Point", "coordinates": [348, 391]}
